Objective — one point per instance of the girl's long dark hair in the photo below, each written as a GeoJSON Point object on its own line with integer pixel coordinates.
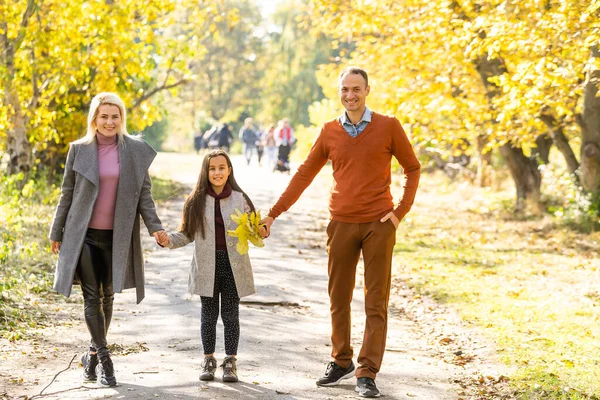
{"type": "Point", "coordinates": [195, 205]}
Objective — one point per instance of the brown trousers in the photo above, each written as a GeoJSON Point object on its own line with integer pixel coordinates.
{"type": "Point", "coordinates": [344, 244]}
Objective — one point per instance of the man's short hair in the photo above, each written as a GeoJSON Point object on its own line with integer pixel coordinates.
{"type": "Point", "coordinates": [353, 70]}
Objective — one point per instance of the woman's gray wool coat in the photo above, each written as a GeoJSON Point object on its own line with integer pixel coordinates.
{"type": "Point", "coordinates": [74, 211]}
{"type": "Point", "coordinates": [202, 271]}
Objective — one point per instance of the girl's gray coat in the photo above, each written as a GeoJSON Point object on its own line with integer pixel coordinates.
{"type": "Point", "coordinates": [74, 211]}
{"type": "Point", "coordinates": [202, 272]}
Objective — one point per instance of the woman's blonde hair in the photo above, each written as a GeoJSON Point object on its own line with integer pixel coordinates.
{"type": "Point", "coordinates": [98, 100]}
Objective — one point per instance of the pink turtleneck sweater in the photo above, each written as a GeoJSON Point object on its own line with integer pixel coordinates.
{"type": "Point", "coordinates": [109, 169]}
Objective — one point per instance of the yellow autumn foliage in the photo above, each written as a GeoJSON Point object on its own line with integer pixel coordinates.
{"type": "Point", "coordinates": [422, 58]}
{"type": "Point", "coordinates": [57, 55]}
{"type": "Point", "coordinates": [248, 230]}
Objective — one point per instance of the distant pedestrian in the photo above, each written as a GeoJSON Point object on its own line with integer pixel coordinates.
{"type": "Point", "coordinates": [248, 137]}
{"type": "Point", "coordinates": [198, 141]}
{"type": "Point", "coordinates": [271, 147]}
{"type": "Point", "coordinates": [225, 138]}
{"type": "Point", "coordinates": [206, 218]}
{"type": "Point", "coordinates": [285, 133]}
{"type": "Point", "coordinates": [260, 145]}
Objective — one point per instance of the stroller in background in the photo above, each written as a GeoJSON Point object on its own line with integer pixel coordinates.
{"type": "Point", "coordinates": [283, 158]}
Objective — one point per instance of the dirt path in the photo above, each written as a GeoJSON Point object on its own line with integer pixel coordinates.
{"type": "Point", "coordinates": [284, 328]}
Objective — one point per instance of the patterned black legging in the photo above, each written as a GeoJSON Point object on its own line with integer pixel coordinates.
{"type": "Point", "coordinates": [230, 309]}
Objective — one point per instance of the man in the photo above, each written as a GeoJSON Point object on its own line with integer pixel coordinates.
{"type": "Point", "coordinates": [248, 137]}
{"type": "Point", "coordinates": [360, 145]}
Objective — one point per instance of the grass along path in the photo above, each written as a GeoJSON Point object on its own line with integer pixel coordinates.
{"type": "Point", "coordinates": [26, 263]}
{"type": "Point", "coordinates": [533, 287]}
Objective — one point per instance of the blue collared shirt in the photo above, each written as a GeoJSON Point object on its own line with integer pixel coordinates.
{"type": "Point", "coordinates": [355, 130]}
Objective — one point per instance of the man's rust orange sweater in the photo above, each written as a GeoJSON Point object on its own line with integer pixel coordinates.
{"type": "Point", "coordinates": [361, 171]}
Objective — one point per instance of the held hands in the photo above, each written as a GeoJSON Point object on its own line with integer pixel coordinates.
{"type": "Point", "coordinates": [162, 238]}
{"type": "Point", "coordinates": [265, 227]}
{"type": "Point", "coordinates": [55, 246]}
{"type": "Point", "coordinates": [262, 231]}
{"type": "Point", "coordinates": [393, 217]}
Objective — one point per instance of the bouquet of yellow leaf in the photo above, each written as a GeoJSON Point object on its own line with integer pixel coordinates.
{"type": "Point", "coordinates": [248, 229]}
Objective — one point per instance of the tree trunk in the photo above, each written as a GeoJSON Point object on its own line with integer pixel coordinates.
{"type": "Point", "coordinates": [484, 163]}
{"type": "Point", "coordinates": [526, 175]}
{"type": "Point", "coordinates": [17, 146]}
{"type": "Point", "coordinates": [17, 143]}
{"type": "Point", "coordinates": [590, 128]}
{"type": "Point", "coordinates": [542, 150]}
{"type": "Point", "coordinates": [523, 170]}
{"type": "Point", "coordinates": [556, 132]}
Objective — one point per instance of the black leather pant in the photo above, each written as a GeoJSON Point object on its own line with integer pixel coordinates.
{"type": "Point", "coordinates": [95, 273]}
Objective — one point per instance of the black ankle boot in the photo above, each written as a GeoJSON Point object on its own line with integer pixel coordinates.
{"type": "Point", "coordinates": [89, 362]}
{"type": "Point", "coordinates": [105, 371]}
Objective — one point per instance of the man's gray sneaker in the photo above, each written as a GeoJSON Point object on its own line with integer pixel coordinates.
{"type": "Point", "coordinates": [366, 388]}
{"type": "Point", "coordinates": [89, 362]}
{"type": "Point", "coordinates": [209, 366]}
{"type": "Point", "coordinates": [229, 369]}
{"type": "Point", "coordinates": [334, 374]}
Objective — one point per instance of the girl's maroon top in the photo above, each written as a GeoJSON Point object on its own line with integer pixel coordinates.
{"type": "Point", "coordinates": [220, 239]}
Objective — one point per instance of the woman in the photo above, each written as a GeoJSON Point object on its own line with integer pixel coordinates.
{"type": "Point", "coordinates": [271, 146]}
{"type": "Point", "coordinates": [96, 227]}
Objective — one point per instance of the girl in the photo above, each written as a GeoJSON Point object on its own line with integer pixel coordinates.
{"type": "Point", "coordinates": [217, 270]}
{"type": "Point", "coordinates": [96, 227]}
